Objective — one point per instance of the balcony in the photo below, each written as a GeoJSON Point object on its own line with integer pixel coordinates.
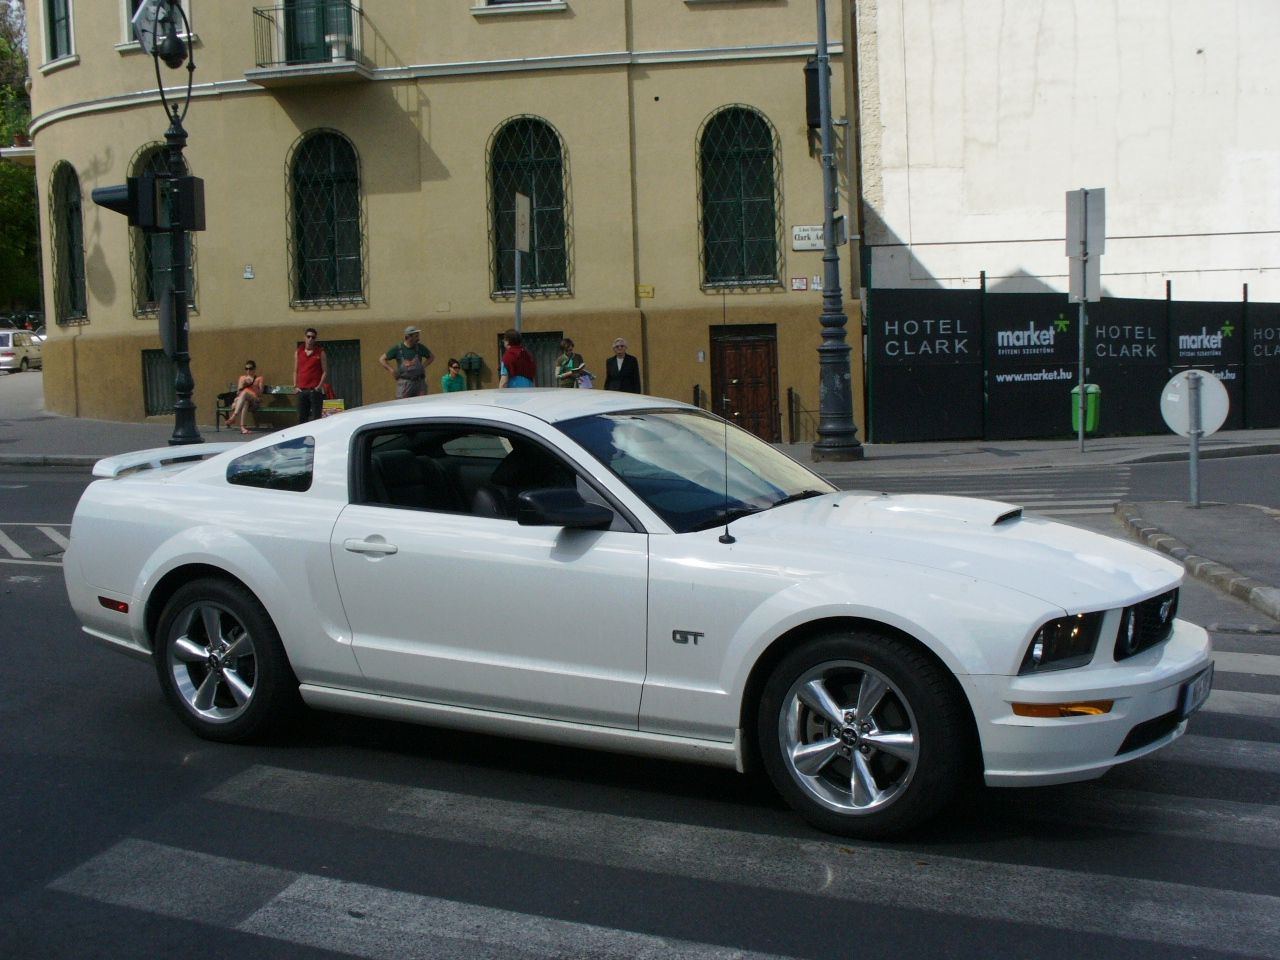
{"type": "Point", "coordinates": [309, 42]}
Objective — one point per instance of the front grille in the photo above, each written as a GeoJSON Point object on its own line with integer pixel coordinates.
{"type": "Point", "coordinates": [1149, 731]}
{"type": "Point", "coordinates": [1145, 624]}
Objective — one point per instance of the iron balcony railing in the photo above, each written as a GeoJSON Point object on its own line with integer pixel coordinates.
{"type": "Point", "coordinates": [308, 32]}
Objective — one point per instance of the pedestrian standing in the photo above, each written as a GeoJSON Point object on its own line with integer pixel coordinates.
{"type": "Point", "coordinates": [310, 374]}
{"type": "Point", "coordinates": [622, 371]}
{"type": "Point", "coordinates": [411, 360]}
{"type": "Point", "coordinates": [518, 365]}
{"type": "Point", "coordinates": [569, 365]}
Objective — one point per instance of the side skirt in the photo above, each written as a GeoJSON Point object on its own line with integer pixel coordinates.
{"type": "Point", "coordinates": [712, 752]}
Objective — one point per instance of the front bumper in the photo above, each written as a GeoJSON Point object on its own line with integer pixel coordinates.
{"type": "Point", "coordinates": [1146, 693]}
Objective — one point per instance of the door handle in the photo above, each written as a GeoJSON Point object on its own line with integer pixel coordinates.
{"type": "Point", "coordinates": [369, 546]}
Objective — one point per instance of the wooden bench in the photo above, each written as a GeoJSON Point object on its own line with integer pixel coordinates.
{"type": "Point", "coordinates": [278, 401]}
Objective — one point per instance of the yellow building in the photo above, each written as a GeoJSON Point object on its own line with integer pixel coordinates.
{"type": "Point", "coordinates": [360, 161]}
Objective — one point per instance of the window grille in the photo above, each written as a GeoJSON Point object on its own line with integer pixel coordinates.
{"type": "Point", "coordinates": [149, 253]}
{"type": "Point", "coordinates": [526, 156]}
{"type": "Point", "coordinates": [67, 235]}
{"type": "Point", "coordinates": [326, 222]}
{"type": "Point", "coordinates": [158, 395]}
{"type": "Point", "coordinates": [739, 200]}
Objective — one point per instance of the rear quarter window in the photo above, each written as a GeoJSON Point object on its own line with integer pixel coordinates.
{"type": "Point", "coordinates": [283, 466]}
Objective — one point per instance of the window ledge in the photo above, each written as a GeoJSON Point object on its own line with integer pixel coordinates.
{"type": "Point", "coordinates": [53, 66]}
{"type": "Point", "coordinates": [133, 46]}
{"type": "Point", "coordinates": [527, 6]}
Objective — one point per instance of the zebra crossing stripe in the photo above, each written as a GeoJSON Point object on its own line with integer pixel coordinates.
{"type": "Point", "coordinates": [1157, 911]}
{"type": "Point", "coordinates": [10, 547]}
{"type": "Point", "coordinates": [1243, 703]}
{"type": "Point", "coordinates": [1254, 756]}
{"type": "Point", "coordinates": [352, 918]}
{"type": "Point", "coordinates": [55, 536]}
{"type": "Point", "coordinates": [1256, 664]}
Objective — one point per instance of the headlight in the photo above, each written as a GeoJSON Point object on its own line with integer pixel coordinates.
{"type": "Point", "coordinates": [1063, 643]}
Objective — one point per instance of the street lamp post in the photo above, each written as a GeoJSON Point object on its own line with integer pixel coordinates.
{"type": "Point", "coordinates": [169, 202]}
{"type": "Point", "coordinates": [837, 433]}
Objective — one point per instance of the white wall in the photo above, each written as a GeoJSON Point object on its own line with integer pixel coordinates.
{"type": "Point", "coordinates": [978, 116]}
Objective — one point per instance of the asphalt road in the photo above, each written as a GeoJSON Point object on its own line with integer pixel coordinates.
{"type": "Point", "coordinates": [124, 836]}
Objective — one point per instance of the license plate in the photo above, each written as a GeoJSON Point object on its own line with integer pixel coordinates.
{"type": "Point", "coordinates": [1195, 692]}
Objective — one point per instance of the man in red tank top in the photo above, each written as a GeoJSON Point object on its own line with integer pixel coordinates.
{"type": "Point", "coordinates": [310, 373]}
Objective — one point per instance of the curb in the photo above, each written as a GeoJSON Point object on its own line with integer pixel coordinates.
{"type": "Point", "coordinates": [1253, 592]}
{"type": "Point", "coordinates": [48, 460]}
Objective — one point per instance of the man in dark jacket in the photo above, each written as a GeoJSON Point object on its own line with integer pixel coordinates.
{"type": "Point", "coordinates": [622, 371]}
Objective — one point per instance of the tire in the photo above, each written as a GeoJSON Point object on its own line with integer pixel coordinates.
{"type": "Point", "coordinates": [22, 367]}
{"type": "Point", "coordinates": [234, 686]}
{"type": "Point", "coordinates": [863, 735]}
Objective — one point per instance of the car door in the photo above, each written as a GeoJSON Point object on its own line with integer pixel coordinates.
{"type": "Point", "coordinates": [479, 611]}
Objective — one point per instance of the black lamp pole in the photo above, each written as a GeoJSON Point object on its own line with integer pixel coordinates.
{"type": "Point", "coordinates": [837, 433]}
{"type": "Point", "coordinates": [184, 408]}
{"type": "Point", "coordinates": [184, 210]}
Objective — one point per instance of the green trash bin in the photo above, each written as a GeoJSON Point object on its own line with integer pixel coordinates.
{"type": "Point", "coordinates": [1092, 407]}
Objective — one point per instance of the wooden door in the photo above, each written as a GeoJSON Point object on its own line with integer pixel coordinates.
{"type": "Point", "coordinates": [744, 379]}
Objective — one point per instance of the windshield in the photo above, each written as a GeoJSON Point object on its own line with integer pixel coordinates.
{"type": "Point", "coordinates": [676, 461]}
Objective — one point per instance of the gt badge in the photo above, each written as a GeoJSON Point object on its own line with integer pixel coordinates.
{"type": "Point", "coordinates": [686, 636]}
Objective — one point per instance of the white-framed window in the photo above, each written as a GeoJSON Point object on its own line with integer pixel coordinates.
{"type": "Point", "coordinates": [129, 7]}
{"type": "Point", "coordinates": [480, 8]}
{"type": "Point", "coordinates": [59, 30]}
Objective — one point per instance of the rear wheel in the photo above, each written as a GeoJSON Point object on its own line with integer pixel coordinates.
{"type": "Point", "coordinates": [864, 735]}
{"type": "Point", "coordinates": [221, 664]}
{"type": "Point", "coordinates": [22, 367]}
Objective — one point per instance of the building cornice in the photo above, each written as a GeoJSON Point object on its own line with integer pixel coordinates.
{"type": "Point", "coordinates": [427, 71]}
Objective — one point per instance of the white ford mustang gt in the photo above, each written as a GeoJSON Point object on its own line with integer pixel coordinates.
{"type": "Point", "coordinates": [600, 569]}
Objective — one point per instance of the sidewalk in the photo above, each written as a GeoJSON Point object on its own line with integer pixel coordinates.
{"type": "Point", "coordinates": [1231, 546]}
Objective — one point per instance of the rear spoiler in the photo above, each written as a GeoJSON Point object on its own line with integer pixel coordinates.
{"type": "Point", "coordinates": [159, 457]}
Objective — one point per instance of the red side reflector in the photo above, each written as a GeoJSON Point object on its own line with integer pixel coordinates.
{"type": "Point", "coordinates": [119, 606]}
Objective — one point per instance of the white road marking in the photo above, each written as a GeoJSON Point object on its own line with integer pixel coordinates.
{"type": "Point", "coordinates": [1253, 664]}
{"type": "Point", "coordinates": [1157, 911]}
{"type": "Point", "coordinates": [1243, 703]}
{"type": "Point", "coordinates": [353, 918]}
{"type": "Point", "coordinates": [12, 548]}
{"type": "Point", "coordinates": [55, 536]}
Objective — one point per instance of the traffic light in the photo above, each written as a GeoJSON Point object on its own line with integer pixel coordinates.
{"type": "Point", "coordinates": [137, 198]}
{"type": "Point", "coordinates": [156, 203]}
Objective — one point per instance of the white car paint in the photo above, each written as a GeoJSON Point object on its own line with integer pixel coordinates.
{"type": "Point", "coordinates": [573, 635]}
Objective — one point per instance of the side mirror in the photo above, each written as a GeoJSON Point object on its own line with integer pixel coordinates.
{"type": "Point", "coordinates": [561, 507]}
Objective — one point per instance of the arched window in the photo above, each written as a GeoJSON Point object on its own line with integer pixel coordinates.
{"type": "Point", "coordinates": [738, 197]}
{"type": "Point", "coordinates": [326, 240]}
{"type": "Point", "coordinates": [152, 266]}
{"type": "Point", "coordinates": [67, 236]}
{"type": "Point", "coordinates": [526, 156]}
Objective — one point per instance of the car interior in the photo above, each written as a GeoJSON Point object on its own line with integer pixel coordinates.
{"type": "Point", "coordinates": [458, 470]}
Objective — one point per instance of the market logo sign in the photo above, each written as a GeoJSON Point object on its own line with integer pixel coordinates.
{"type": "Point", "coordinates": [1204, 343]}
{"type": "Point", "coordinates": [1029, 342]}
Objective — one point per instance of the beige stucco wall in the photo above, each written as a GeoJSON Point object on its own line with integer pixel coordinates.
{"type": "Point", "coordinates": [628, 110]}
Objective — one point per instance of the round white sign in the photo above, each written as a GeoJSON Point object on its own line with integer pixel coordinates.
{"type": "Point", "coordinates": [1175, 403]}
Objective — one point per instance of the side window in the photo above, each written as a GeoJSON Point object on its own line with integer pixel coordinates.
{"type": "Point", "coordinates": [284, 466]}
{"type": "Point", "coordinates": [461, 470]}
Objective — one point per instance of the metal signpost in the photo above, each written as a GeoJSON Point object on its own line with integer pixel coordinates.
{"type": "Point", "coordinates": [1086, 241]}
{"type": "Point", "coordinates": [1194, 404]}
{"type": "Point", "coordinates": [522, 247]}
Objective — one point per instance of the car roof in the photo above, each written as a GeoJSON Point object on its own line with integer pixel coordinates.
{"type": "Point", "coordinates": [551, 404]}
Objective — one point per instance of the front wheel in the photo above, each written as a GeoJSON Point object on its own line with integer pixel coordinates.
{"type": "Point", "coordinates": [863, 735]}
{"type": "Point", "coordinates": [221, 664]}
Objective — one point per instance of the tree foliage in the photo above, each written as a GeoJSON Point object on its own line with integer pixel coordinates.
{"type": "Point", "coordinates": [19, 238]}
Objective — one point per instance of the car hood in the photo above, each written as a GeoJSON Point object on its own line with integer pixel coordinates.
{"type": "Point", "coordinates": [984, 539]}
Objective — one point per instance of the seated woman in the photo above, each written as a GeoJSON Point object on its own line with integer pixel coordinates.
{"type": "Point", "coordinates": [249, 390]}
